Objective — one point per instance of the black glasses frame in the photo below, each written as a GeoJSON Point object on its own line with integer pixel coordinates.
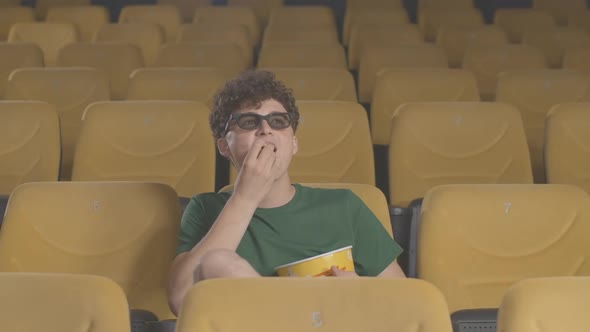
{"type": "Point", "coordinates": [236, 116]}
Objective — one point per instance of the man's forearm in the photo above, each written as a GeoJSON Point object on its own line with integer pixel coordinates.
{"type": "Point", "coordinates": [226, 233]}
{"type": "Point", "coordinates": [229, 228]}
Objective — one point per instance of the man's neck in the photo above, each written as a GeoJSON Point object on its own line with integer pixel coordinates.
{"type": "Point", "coordinates": [281, 193]}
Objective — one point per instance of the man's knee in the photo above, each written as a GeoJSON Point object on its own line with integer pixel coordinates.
{"type": "Point", "coordinates": [223, 263]}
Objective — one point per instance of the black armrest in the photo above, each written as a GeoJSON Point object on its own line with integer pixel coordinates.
{"type": "Point", "coordinates": [3, 204]}
{"type": "Point", "coordinates": [415, 206]}
{"type": "Point", "coordinates": [183, 202]}
{"type": "Point", "coordinates": [475, 320]}
{"type": "Point", "coordinates": [139, 318]}
{"type": "Point", "coordinates": [168, 325]}
{"type": "Point", "coordinates": [400, 223]}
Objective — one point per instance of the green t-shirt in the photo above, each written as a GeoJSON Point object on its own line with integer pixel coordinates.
{"type": "Point", "coordinates": [314, 222]}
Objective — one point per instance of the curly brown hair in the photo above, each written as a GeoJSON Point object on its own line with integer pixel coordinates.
{"type": "Point", "coordinates": [249, 90]}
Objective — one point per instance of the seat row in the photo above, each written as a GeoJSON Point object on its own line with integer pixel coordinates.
{"type": "Point", "coordinates": [533, 92]}
{"type": "Point", "coordinates": [170, 142]}
{"type": "Point", "coordinates": [88, 20]}
{"type": "Point", "coordinates": [126, 231]}
{"type": "Point", "coordinates": [52, 37]}
{"type": "Point", "coordinates": [122, 64]}
{"type": "Point", "coordinates": [458, 31]}
{"type": "Point", "coordinates": [484, 50]}
{"type": "Point", "coordinates": [473, 242]}
{"type": "Point", "coordinates": [71, 90]}
{"type": "Point", "coordinates": [263, 8]}
{"type": "Point", "coordinates": [186, 8]}
{"type": "Point", "coordinates": [551, 302]}
{"type": "Point", "coordinates": [285, 22]}
{"type": "Point", "coordinates": [485, 62]}
{"type": "Point", "coordinates": [456, 40]}
{"type": "Point", "coordinates": [119, 60]}
{"type": "Point", "coordinates": [225, 23]}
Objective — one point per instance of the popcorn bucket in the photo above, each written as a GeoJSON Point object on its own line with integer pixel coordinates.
{"type": "Point", "coordinates": [319, 266]}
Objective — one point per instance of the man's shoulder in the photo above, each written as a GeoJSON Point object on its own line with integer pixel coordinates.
{"type": "Point", "coordinates": [210, 199]}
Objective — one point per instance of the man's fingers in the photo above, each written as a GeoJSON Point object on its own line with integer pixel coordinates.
{"type": "Point", "coordinates": [265, 154]}
{"type": "Point", "coordinates": [335, 271]}
{"type": "Point", "coordinates": [277, 166]}
{"type": "Point", "coordinates": [255, 150]}
{"type": "Point", "coordinates": [264, 148]}
{"type": "Point", "coordinates": [270, 162]}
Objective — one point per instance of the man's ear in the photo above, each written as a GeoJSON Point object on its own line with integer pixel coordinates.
{"type": "Point", "coordinates": [223, 147]}
{"type": "Point", "coordinates": [295, 145]}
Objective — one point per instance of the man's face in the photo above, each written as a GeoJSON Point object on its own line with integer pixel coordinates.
{"type": "Point", "coordinates": [237, 142]}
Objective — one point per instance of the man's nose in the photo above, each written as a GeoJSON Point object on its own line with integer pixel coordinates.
{"type": "Point", "coordinates": [264, 128]}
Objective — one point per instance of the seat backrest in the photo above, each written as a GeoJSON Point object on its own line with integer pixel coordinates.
{"type": "Point", "coordinates": [326, 303]}
{"type": "Point", "coordinates": [395, 87]}
{"type": "Point", "coordinates": [260, 8]}
{"type": "Point", "coordinates": [302, 16]}
{"type": "Point", "coordinates": [534, 93]}
{"type": "Point", "coordinates": [9, 3]}
{"type": "Point", "coordinates": [376, 58]}
{"type": "Point", "coordinates": [302, 55]}
{"type": "Point", "coordinates": [17, 55]}
{"type": "Point", "coordinates": [230, 15]}
{"type": "Point", "coordinates": [372, 196]}
{"type": "Point", "coordinates": [487, 62]}
{"type": "Point", "coordinates": [125, 231]}
{"type": "Point", "coordinates": [87, 19]}
{"type": "Point", "coordinates": [149, 37]}
{"type": "Point", "coordinates": [61, 302]}
{"type": "Point", "coordinates": [196, 84]}
{"type": "Point", "coordinates": [555, 303]}
{"type": "Point", "coordinates": [50, 37]}
{"type": "Point", "coordinates": [29, 139]}
{"type": "Point", "coordinates": [577, 59]}
{"type": "Point", "coordinates": [554, 42]}
{"type": "Point", "coordinates": [302, 34]}
{"type": "Point", "coordinates": [69, 90]}
{"type": "Point", "coordinates": [343, 156]}
{"type": "Point", "coordinates": [365, 35]}
{"type": "Point", "coordinates": [166, 17]}
{"type": "Point", "coordinates": [453, 143]}
{"type": "Point", "coordinates": [318, 83]}
{"type": "Point", "coordinates": [11, 15]}
{"type": "Point", "coordinates": [186, 8]}
{"type": "Point", "coordinates": [474, 241]}
{"type": "Point", "coordinates": [579, 19]}
{"type": "Point", "coordinates": [456, 40]}
{"type": "Point", "coordinates": [228, 57]}
{"type": "Point", "coordinates": [43, 6]}
{"type": "Point", "coordinates": [156, 141]}
{"type": "Point", "coordinates": [560, 10]}
{"type": "Point", "coordinates": [517, 21]}
{"type": "Point", "coordinates": [567, 142]}
{"type": "Point", "coordinates": [214, 32]}
{"type": "Point", "coordinates": [430, 21]}
{"type": "Point", "coordinates": [116, 60]}
{"type": "Point", "coordinates": [373, 16]}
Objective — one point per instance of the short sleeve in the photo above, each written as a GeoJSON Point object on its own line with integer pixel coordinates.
{"type": "Point", "coordinates": [373, 248]}
{"type": "Point", "coordinates": [193, 226]}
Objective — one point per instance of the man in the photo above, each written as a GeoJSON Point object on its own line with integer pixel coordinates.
{"type": "Point", "coordinates": [267, 221]}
